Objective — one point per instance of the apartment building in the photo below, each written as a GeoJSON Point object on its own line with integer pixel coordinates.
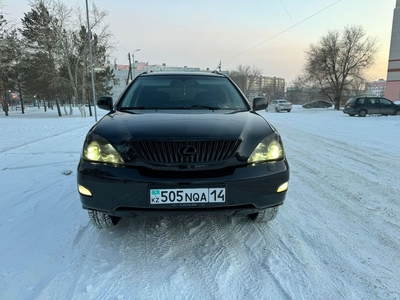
{"type": "Point", "coordinates": [393, 75]}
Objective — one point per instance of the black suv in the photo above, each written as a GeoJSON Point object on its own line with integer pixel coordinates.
{"type": "Point", "coordinates": [182, 143]}
{"type": "Point", "coordinates": [362, 106]}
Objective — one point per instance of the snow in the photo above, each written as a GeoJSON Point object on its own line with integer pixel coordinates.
{"type": "Point", "coordinates": [335, 237]}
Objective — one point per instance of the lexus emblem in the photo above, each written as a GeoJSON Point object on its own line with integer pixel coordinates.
{"type": "Point", "coordinates": [187, 151]}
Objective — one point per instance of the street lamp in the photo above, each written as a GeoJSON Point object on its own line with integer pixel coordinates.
{"type": "Point", "coordinates": [134, 66]}
{"type": "Point", "coordinates": [91, 61]}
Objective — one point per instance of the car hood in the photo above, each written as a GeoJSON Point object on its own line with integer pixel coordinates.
{"type": "Point", "coordinates": [179, 125]}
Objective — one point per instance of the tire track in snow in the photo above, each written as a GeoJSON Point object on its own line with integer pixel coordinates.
{"type": "Point", "coordinates": [269, 255]}
{"type": "Point", "coordinates": [53, 283]}
{"type": "Point", "coordinates": [66, 132]}
{"type": "Point", "coordinates": [327, 195]}
{"type": "Point", "coordinates": [198, 261]}
{"type": "Point", "coordinates": [59, 163]}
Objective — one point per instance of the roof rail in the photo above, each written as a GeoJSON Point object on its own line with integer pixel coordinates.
{"type": "Point", "coordinates": [218, 72]}
{"type": "Point", "coordinates": [146, 72]}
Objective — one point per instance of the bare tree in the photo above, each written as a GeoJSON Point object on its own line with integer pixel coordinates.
{"type": "Point", "coordinates": [338, 60]}
{"type": "Point", "coordinates": [57, 38]}
{"type": "Point", "coordinates": [357, 86]}
{"type": "Point", "coordinates": [304, 90]}
{"type": "Point", "coordinates": [246, 78]}
{"type": "Point", "coordinates": [74, 48]}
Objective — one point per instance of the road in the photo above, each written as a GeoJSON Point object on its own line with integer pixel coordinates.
{"type": "Point", "coordinates": [335, 237]}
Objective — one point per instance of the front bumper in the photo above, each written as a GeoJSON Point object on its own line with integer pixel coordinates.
{"type": "Point", "coordinates": [350, 111]}
{"type": "Point", "coordinates": [125, 192]}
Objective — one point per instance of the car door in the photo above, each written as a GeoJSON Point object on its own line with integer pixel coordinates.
{"type": "Point", "coordinates": [373, 105]}
{"type": "Point", "coordinates": [386, 106]}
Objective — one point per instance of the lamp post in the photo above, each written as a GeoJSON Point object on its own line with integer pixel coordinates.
{"type": "Point", "coordinates": [91, 61]}
{"type": "Point", "coordinates": [133, 59]}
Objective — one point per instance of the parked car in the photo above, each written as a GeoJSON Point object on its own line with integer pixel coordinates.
{"type": "Point", "coordinates": [362, 106]}
{"type": "Point", "coordinates": [317, 104]}
{"type": "Point", "coordinates": [280, 105]}
{"type": "Point", "coordinates": [179, 143]}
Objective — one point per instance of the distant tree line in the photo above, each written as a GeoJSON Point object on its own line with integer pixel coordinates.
{"type": "Point", "coordinates": [252, 83]}
{"type": "Point", "coordinates": [47, 59]}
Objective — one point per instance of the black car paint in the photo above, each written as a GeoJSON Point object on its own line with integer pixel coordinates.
{"type": "Point", "coordinates": [124, 190]}
{"type": "Point", "coordinates": [182, 125]}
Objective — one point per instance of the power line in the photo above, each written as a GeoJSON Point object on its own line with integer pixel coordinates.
{"type": "Point", "coordinates": [278, 34]}
{"type": "Point", "coordinates": [285, 10]}
{"type": "Point", "coordinates": [112, 33]}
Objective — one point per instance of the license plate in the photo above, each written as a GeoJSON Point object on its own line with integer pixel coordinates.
{"type": "Point", "coordinates": [177, 196]}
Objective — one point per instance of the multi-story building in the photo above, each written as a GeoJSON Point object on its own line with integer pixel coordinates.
{"type": "Point", "coordinates": [393, 74]}
{"type": "Point", "coordinates": [376, 88]}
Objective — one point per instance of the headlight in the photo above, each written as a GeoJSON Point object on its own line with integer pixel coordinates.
{"type": "Point", "coordinates": [269, 149]}
{"type": "Point", "coordinates": [98, 149]}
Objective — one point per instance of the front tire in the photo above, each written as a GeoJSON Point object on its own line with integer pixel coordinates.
{"type": "Point", "coordinates": [265, 215]}
{"type": "Point", "coordinates": [276, 109]}
{"type": "Point", "coordinates": [102, 220]}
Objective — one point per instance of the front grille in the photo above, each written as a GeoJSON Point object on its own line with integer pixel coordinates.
{"type": "Point", "coordinates": [167, 152]}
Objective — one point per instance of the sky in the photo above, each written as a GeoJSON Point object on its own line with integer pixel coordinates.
{"type": "Point", "coordinates": [270, 35]}
{"type": "Point", "coordinates": [336, 236]}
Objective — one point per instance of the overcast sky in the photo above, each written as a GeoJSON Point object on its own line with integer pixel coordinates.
{"type": "Point", "coordinates": [269, 34]}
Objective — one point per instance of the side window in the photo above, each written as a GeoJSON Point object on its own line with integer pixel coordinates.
{"type": "Point", "coordinates": [361, 101]}
{"type": "Point", "coordinates": [374, 101]}
{"type": "Point", "coordinates": [385, 102]}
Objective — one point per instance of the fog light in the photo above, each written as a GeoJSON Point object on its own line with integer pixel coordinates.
{"type": "Point", "coordinates": [283, 187]}
{"type": "Point", "coordinates": [84, 191]}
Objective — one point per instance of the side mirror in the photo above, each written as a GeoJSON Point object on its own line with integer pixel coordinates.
{"type": "Point", "coordinates": [260, 103]}
{"type": "Point", "coordinates": [105, 102]}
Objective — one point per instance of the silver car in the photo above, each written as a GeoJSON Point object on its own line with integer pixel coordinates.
{"type": "Point", "coordinates": [280, 105]}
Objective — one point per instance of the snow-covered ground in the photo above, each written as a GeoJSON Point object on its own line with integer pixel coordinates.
{"type": "Point", "coordinates": [337, 236]}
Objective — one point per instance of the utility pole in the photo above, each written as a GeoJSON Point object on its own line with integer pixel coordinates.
{"type": "Point", "coordinates": [134, 64]}
{"type": "Point", "coordinates": [91, 61]}
{"type": "Point", "coordinates": [129, 70]}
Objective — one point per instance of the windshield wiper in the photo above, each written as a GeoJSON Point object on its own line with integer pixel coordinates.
{"type": "Point", "coordinates": [204, 106]}
{"type": "Point", "coordinates": [238, 110]}
{"type": "Point", "coordinates": [132, 107]}
{"type": "Point", "coordinates": [149, 107]}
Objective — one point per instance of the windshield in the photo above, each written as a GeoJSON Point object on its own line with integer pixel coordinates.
{"type": "Point", "coordinates": [182, 92]}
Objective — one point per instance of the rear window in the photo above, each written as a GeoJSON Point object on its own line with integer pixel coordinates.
{"type": "Point", "coordinates": [180, 91]}
{"type": "Point", "coordinates": [351, 101]}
